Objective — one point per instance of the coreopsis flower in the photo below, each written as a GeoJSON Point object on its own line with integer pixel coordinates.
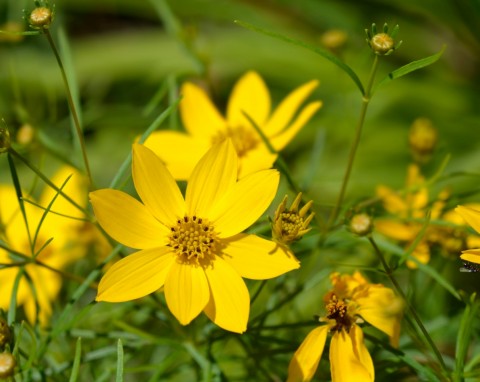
{"type": "Point", "coordinates": [45, 245]}
{"type": "Point", "coordinates": [407, 212]}
{"type": "Point", "coordinates": [291, 224]}
{"type": "Point", "coordinates": [194, 247]}
{"type": "Point", "coordinates": [472, 217]}
{"type": "Point", "coordinates": [206, 126]}
{"type": "Point", "coordinates": [351, 302]}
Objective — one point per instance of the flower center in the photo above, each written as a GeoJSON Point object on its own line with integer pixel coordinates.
{"type": "Point", "coordinates": [338, 310]}
{"type": "Point", "coordinates": [193, 240]}
{"type": "Point", "coordinates": [291, 224]}
{"type": "Point", "coordinates": [243, 139]}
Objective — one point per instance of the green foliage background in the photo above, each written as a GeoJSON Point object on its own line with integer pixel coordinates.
{"type": "Point", "coordinates": [126, 59]}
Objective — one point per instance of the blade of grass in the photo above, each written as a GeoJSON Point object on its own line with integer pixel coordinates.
{"type": "Point", "coordinates": [119, 375]}
{"type": "Point", "coordinates": [76, 360]}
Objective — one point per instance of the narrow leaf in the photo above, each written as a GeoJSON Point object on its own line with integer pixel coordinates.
{"type": "Point", "coordinates": [119, 376]}
{"type": "Point", "coordinates": [320, 51]}
{"type": "Point", "coordinates": [76, 361]}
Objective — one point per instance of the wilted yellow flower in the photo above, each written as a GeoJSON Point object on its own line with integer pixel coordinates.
{"type": "Point", "coordinates": [351, 302]}
{"type": "Point", "coordinates": [55, 254]}
{"type": "Point", "coordinates": [193, 248]}
{"type": "Point", "coordinates": [206, 126]}
{"type": "Point", "coordinates": [472, 217]}
{"type": "Point", "coordinates": [290, 225]}
{"type": "Point", "coordinates": [407, 212]}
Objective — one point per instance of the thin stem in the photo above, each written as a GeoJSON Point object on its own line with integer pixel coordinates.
{"type": "Point", "coordinates": [353, 150]}
{"type": "Point", "coordinates": [411, 309]}
{"type": "Point", "coordinates": [71, 104]}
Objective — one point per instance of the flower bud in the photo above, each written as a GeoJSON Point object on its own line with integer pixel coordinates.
{"type": "Point", "coordinates": [382, 43]}
{"type": "Point", "coordinates": [41, 18]}
{"type": "Point", "coordinates": [360, 224]}
{"type": "Point", "coordinates": [25, 134]}
{"type": "Point", "coordinates": [5, 333]}
{"type": "Point", "coordinates": [333, 39]}
{"type": "Point", "coordinates": [4, 140]}
{"type": "Point", "coordinates": [422, 139]}
{"type": "Point", "coordinates": [7, 365]}
{"type": "Point", "coordinates": [290, 225]}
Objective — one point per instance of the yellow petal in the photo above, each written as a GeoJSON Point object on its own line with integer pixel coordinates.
{"type": "Point", "coordinates": [180, 152]}
{"type": "Point", "coordinates": [344, 363]}
{"type": "Point", "coordinates": [256, 258]}
{"type": "Point", "coordinates": [229, 304]}
{"type": "Point", "coordinates": [381, 308]}
{"type": "Point", "coordinates": [420, 253]}
{"type": "Point", "coordinates": [471, 255]}
{"type": "Point", "coordinates": [361, 351]}
{"type": "Point", "coordinates": [305, 361]}
{"type": "Point", "coordinates": [186, 291]}
{"type": "Point", "coordinates": [283, 138]}
{"type": "Point", "coordinates": [284, 112]}
{"type": "Point", "coordinates": [245, 203]}
{"type": "Point", "coordinates": [199, 116]}
{"type": "Point", "coordinates": [136, 275]}
{"type": "Point", "coordinates": [470, 215]}
{"type": "Point", "coordinates": [392, 202]}
{"type": "Point", "coordinates": [249, 95]}
{"type": "Point", "coordinates": [156, 186]}
{"type": "Point", "coordinates": [127, 220]}
{"type": "Point", "coordinates": [396, 230]}
{"type": "Point", "coordinates": [255, 160]}
{"type": "Point", "coordinates": [214, 175]}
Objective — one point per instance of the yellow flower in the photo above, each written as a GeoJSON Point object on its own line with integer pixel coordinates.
{"type": "Point", "coordinates": [408, 210]}
{"type": "Point", "coordinates": [193, 248]}
{"type": "Point", "coordinates": [206, 126]}
{"type": "Point", "coordinates": [351, 301]}
{"type": "Point", "coordinates": [45, 283]}
{"type": "Point", "coordinates": [472, 217]}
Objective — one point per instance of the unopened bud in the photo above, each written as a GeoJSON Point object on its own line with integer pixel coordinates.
{"type": "Point", "coordinates": [7, 365]}
{"type": "Point", "coordinates": [333, 39]}
{"type": "Point", "coordinates": [422, 139]}
{"type": "Point", "coordinates": [25, 134]}
{"type": "Point", "coordinates": [360, 224]}
{"type": "Point", "coordinates": [41, 18]}
{"type": "Point", "coordinates": [5, 333]}
{"type": "Point", "coordinates": [290, 225]}
{"type": "Point", "coordinates": [4, 140]}
{"type": "Point", "coordinates": [381, 43]}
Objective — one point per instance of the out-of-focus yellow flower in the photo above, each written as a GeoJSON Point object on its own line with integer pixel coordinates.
{"type": "Point", "coordinates": [56, 254]}
{"type": "Point", "coordinates": [290, 225]}
{"type": "Point", "coordinates": [407, 212]}
{"type": "Point", "coordinates": [422, 139]}
{"type": "Point", "coordinates": [192, 247]}
{"type": "Point", "coordinates": [206, 126]}
{"type": "Point", "coordinates": [351, 302]}
{"type": "Point", "coordinates": [472, 217]}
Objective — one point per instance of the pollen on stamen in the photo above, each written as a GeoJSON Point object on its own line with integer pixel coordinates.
{"type": "Point", "coordinates": [194, 240]}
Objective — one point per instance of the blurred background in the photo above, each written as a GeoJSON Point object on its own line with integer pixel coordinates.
{"type": "Point", "coordinates": [126, 59]}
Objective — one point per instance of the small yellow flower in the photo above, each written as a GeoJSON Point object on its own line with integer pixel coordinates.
{"type": "Point", "coordinates": [351, 302]}
{"type": "Point", "coordinates": [56, 254]}
{"type": "Point", "coordinates": [408, 210]}
{"type": "Point", "coordinates": [290, 225]}
{"type": "Point", "coordinates": [472, 217]}
{"type": "Point", "coordinates": [191, 247]}
{"type": "Point", "coordinates": [206, 126]}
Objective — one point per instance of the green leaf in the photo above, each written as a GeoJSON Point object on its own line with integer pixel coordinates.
{"type": "Point", "coordinates": [411, 67]}
{"type": "Point", "coordinates": [76, 361]}
{"type": "Point", "coordinates": [119, 375]}
{"type": "Point", "coordinates": [316, 49]}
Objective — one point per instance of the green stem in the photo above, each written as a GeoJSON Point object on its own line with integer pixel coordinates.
{"type": "Point", "coordinates": [410, 308]}
{"type": "Point", "coordinates": [71, 104]}
{"type": "Point", "coordinates": [353, 150]}
{"type": "Point", "coordinates": [47, 181]}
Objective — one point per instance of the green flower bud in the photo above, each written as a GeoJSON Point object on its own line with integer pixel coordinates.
{"type": "Point", "coordinates": [41, 18]}
{"type": "Point", "coordinates": [4, 140]}
{"type": "Point", "coordinates": [382, 43]}
{"type": "Point", "coordinates": [7, 365]}
{"type": "Point", "coordinates": [360, 224]}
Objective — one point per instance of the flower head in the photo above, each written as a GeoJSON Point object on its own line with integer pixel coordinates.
{"type": "Point", "coordinates": [383, 43]}
{"type": "Point", "coordinates": [191, 247]}
{"type": "Point", "coordinates": [33, 247]}
{"type": "Point", "coordinates": [290, 225]}
{"type": "Point", "coordinates": [351, 302]}
{"type": "Point", "coordinates": [206, 126]}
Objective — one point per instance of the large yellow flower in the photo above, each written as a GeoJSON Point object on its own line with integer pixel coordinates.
{"type": "Point", "coordinates": [44, 284]}
{"type": "Point", "coordinates": [351, 301]}
{"type": "Point", "coordinates": [472, 217]}
{"type": "Point", "coordinates": [206, 126]}
{"type": "Point", "coordinates": [193, 248]}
